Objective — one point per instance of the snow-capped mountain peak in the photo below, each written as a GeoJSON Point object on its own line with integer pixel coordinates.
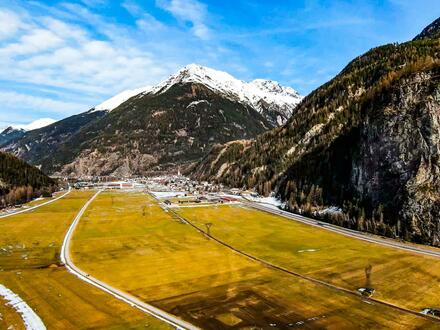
{"type": "Point", "coordinates": [11, 133]}
{"type": "Point", "coordinates": [262, 95]}
{"type": "Point", "coordinates": [9, 130]}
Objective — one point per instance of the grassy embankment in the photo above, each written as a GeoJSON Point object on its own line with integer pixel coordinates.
{"type": "Point", "coordinates": [128, 241]}
{"type": "Point", "coordinates": [29, 265]}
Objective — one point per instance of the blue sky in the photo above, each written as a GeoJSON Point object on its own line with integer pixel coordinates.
{"type": "Point", "coordinates": [59, 58]}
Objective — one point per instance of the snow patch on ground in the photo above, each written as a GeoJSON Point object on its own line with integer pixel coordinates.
{"type": "Point", "coordinates": [307, 250]}
{"type": "Point", "coordinates": [194, 103]}
{"type": "Point", "coordinates": [39, 123]}
{"type": "Point", "coordinates": [31, 320]}
{"type": "Point", "coordinates": [167, 194]}
{"type": "Point", "coordinates": [271, 201]}
{"type": "Point", "coordinates": [330, 210]}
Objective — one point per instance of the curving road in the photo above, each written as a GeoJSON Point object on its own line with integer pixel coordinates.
{"type": "Point", "coordinates": [133, 301]}
{"type": "Point", "coordinates": [345, 231]}
{"type": "Point", "coordinates": [36, 206]}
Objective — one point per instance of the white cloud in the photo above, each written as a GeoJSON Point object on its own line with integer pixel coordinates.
{"type": "Point", "coordinates": [34, 41]}
{"type": "Point", "coordinates": [10, 23]}
{"type": "Point", "coordinates": [24, 102]}
{"type": "Point", "coordinates": [188, 11]}
{"type": "Point", "coordinates": [57, 54]}
{"type": "Point", "coordinates": [66, 59]}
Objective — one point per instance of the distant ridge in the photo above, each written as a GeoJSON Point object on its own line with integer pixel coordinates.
{"type": "Point", "coordinates": [431, 31]}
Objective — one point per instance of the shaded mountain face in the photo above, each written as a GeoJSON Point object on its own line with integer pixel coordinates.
{"type": "Point", "coordinates": [20, 182]}
{"type": "Point", "coordinates": [10, 133]}
{"type": "Point", "coordinates": [366, 142]}
{"type": "Point", "coordinates": [156, 132]}
{"type": "Point", "coordinates": [158, 128]}
{"type": "Point", "coordinates": [36, 145]}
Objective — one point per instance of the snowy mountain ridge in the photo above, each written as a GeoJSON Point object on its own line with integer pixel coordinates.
{"type": "Point", "coordinates": [118, 99]}
{"type": "Point", "coordinates": [260, 94]}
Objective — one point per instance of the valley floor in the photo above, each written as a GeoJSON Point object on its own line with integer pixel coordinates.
{"type": "Point", "coordinates": [134, 243]}
{"type": "Point", "coordinates": [29, 266]}
{"type": "Point", "coordinates": [130, 242]}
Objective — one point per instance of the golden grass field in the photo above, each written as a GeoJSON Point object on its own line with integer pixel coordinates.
{"type": "Point", "coordinates": [402, 278]}
{"type": "Point", "coordinates": [128, 241]}
{"type": "Point", "coordinates": [35, 202]}
{"type": "Point", "coordinates": [29, 254]}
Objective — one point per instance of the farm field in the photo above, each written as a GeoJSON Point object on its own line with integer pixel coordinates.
{"type": "Point", "coordinates": [129, 242]}
{"type": "Point", "coordinates": [35, 202]}
{"type": "Point", "coordinates": [402, 278]}
{"type": "Point", "coordinates": [29, 266]}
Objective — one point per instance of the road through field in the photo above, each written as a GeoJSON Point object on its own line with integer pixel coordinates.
{"type": "Point", "coordinates": [133, 301]}
{"type": "Point", "coordinates": [36, 206]}
{"type": "Point", "coordinates": [309, 278]}
{"type": "Point", "coordinates": [345, 231]}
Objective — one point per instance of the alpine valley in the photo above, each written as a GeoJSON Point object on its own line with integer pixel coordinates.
{"type": "Point", "coordinates": [362, 151]}
{"type": "Point", "coordinates": [154, 128]}
{"type": "Point", "coordinates": [208, 202]}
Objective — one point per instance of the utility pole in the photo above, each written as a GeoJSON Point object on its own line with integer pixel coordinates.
{"type": "Point", "coordinates": [208, 228]}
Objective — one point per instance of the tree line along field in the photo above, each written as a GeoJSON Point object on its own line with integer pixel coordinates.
{"type": "Point", "coordinates": [402, 278]}
{"type": "Point", "coordinates": [126, 240]}
{"type": "Point", "coordinates": [30, 244]}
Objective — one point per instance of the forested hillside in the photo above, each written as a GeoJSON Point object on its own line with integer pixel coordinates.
{"type": "Point", "coordinates": [20, 182]}
{"type": "Point", "coordinates": [366, 142]}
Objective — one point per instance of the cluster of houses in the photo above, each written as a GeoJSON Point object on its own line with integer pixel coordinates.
{"type": "Point", "coordinates": [206, 199]}
{"type": "Point", "coordinates": [109, 185]}
{"type": "Point", "coordinates": [181, 183]}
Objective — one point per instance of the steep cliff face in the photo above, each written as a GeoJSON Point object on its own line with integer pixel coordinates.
{"type": "Point", "coordinates": [385, 169]}
{"type": "Point", "coordinates": [367, 142]}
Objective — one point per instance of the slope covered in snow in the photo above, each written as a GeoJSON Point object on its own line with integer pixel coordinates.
{"type": "Point", "coordinates": [120, 98]}
{"type": "Point", "coordinates": [262, 95]}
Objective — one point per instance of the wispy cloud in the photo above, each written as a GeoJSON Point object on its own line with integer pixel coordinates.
{"type": "Point", "coordinates": [52, 53]}
{"type": "Point", "coordinates": [191, 11]}
{"type": "Point", "coordinates": [63, 58]}
{"type": "Point", "coordinates": [18, 101]}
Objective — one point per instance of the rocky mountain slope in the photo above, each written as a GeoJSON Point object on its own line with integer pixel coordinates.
{"type": "Point", "coordinates": [20, 182]}
{"type": "Point", "coordinates": [157, 128]}
{"type": "Point", "coordinates": [11, 133]}
{"type": "Point", "coordinates": [36, 145]}
{"type": "Point", "coordinates": [367, 142]}
{"type": "Point", "coordinates": [275, 102]}
{"type": "Point", "coordinates": [431, 31]}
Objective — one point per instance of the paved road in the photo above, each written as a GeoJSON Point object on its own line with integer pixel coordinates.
{"type": "Point", "coordinates": [36, 206]}
{"type": "Point", "coordinates": [133, 301]}
{"type": "Point", "coordinates": [347, 232]}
